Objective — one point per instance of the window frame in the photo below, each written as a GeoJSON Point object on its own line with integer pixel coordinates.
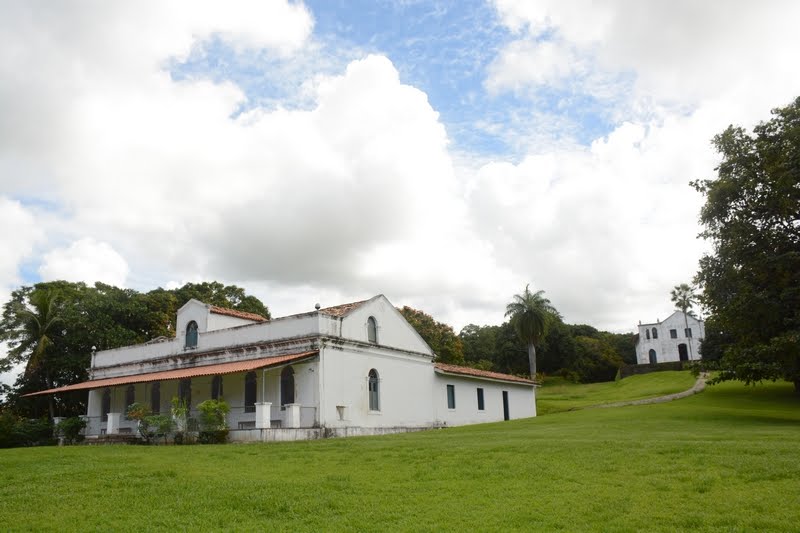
{"type": "Point", "coordinates": [655, 334]}
{"type": "Point", "coordinates": [287, 377]}
{"type": "Point", "coordinates": [374, 391]}
{"type": "Point", "coordinates": [481, 399]}
{"type": "Point", "coordinates": [673, 334]}
{"type": "Point", "coordinates": [451, 396]}
{"type": "Point", "coordinates": [192, 336]}
{"type": "Point", "coordinates": [372, 330]}
{"type": "Point", "coordinates": [250, 391]}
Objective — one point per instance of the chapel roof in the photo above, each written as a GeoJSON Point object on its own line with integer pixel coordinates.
{"type": "Point", "coordinates": [237, 314]}
{"type": "Point", "coordinates": [475, 372]}
{"type": "Point", "coordinates": [343, 309]}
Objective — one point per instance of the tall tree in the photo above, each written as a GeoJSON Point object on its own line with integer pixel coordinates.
{"type": "Point", "coordinates": [29, 334]}
{"type": "Point", "coordinates": [531, 315]}
{"type": "Point", "coordinates": [751, 280]}
{"type": "Point", "coordinates": [684, 299]}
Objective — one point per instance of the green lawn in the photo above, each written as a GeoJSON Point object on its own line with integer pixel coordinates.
{"type": "Point", "coordinates": [557, 394]}
{"type": "Point", "coordinates": [724, 460]}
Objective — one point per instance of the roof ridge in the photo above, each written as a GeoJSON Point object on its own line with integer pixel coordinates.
{"type": "Point", "coordinates": [237, 314]}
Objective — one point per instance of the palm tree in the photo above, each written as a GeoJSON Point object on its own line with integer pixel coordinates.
{"type": "Point", "coordinates": [31, 330]}
{"type": "Point", "coordinates": [684, 298]}
{"type": "Point", "coordinates": [531, 314]}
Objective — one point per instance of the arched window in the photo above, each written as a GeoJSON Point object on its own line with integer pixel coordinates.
{"type": "Point", "coordinates": [647, 333]}
{"type": "Point", "coordinates": [655, 333]}
{"type": "Point", "coordinates": [130, 398]}
{"type": "Point", "coordinates": [216, 388]}
{"type": "Point", "coordinates": [372, 330]}
{"type": "Point", "coordinates": [105, 405]}
{"type": "Point", "coordinates": [250, 391]}
{"type": "Point", "coordinates": [287, 385]}
{"type": "Point", "coordinates": [155, 398]}
{"type": "Point", "coordinates": [191, 334]}
{"type": "Point", "coordinates": [653, 358]}
{"type": "Point", "coordinates": [185, 391]}
{"type": "Point", "coordinates": [374, 391]}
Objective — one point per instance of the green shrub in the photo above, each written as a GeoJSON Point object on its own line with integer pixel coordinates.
{"type": "Point", "coordinates": [16, 431]}
{"type": "Point", "coordinates": [70, 429]}
{"type": "Point", "coordinates": [213, 421]}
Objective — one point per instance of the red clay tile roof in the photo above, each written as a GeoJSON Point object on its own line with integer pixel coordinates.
{"type": "Point", "coordinates": [474, 372]}
{"type": "Point", "coordinates": [165, 375]}
{"type": "Point", "coordinates": [237, 314]}
{"type": "Point", "coordinates": [341, 310]}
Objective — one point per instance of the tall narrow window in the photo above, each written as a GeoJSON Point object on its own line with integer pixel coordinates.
{"type": "Point", "coordinates": [655, 333]}
{"type": "Point", "coordinates": [191, 334]}
{"type": "Point", "coordinates": [688, 332]}
{"type": "Point", "coordinates": [451, 397]}
{"type": "Point", "coordinates": [480, 399]}
{"type": "Point", "coordinates": [250, 391]}
{"type": "Point", "coordinates": [374, 391]}
{"type": "Point", "coordinates": [287, 385]}
{"type": "Point", "coordinates": [216, 388]}
{"type": "Point", "coordinates": [105, 405]}
{"type": "Point", "coordinates": [130, 398]}
{"type": "Point", "coordinates": [155, 398]}
{"type": "Point", "coordinates": [185, 391]}
{"type": "Point", "coordinates": [647, 333]}
{"type": "Point", "coordinates": [372, 330]}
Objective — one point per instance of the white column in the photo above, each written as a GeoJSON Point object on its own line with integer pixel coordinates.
{"type": "Point", "coordinates": [113, 423]}
{"type": "Point", "coordinates": [292, 415]}
{"type": "Point", "coordinates": [263, 410]}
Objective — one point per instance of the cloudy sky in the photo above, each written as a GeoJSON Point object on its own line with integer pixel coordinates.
{"type": "Point", "coordinates": [442, 153]}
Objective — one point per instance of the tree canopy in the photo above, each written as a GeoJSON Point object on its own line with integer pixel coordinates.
{"type": "Point", "coordinates": [531, 315]}
{"type": "Point", "coordinates": [751, 280]}
{"type": "Point", "coordinates": [440, 337]}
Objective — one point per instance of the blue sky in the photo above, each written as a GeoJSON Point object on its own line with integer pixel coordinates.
{"type": "Point", "coordinates": [444, 154]}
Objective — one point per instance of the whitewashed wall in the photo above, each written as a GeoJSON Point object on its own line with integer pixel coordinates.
{"type": "Point", "coordinates": [521, 400]}
{"type": "Point", "coordinates": [404, 382]}
{"type": "Point", "coordinates": [666, 347]}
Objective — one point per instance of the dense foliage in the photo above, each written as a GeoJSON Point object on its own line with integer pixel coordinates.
{"type": "Point", "coordinates": [751, 280]}
{"type": "Point", "coordinates": [445, 343]}
{"type": "Point", "coordinates": [52, 327]}
{"type": "Point", "coordinates": [499, 348]}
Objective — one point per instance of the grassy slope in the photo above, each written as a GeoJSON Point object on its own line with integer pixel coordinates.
{"type": "Point", "coordinates": [724, 460]}
{"type": "Point", "coordinates": [558, 395]}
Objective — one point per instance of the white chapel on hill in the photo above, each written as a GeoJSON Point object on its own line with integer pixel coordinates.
{"type": "Point", "coordinates": [677, 338]}
{"type": "Point", "coordinates": [352, 369]}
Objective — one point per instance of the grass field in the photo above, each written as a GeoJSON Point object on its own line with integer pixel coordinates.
{"type": "Point", "coordinates": [557, 394]}
{"type": "Point", "coordinates": [724, 460]}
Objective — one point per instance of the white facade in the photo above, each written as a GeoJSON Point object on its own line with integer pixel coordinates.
{"type": "Point", "coordinates": [347, 370]}
{"type": "Point", "coordinates": [677, 338]}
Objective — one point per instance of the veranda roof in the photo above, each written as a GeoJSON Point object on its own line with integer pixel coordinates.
{"type": "Point", "coordinates": [181, 373]}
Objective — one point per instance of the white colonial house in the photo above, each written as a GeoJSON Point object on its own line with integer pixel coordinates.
{"type": "Point", "coordinates": [353, 369]}
{"type": "Point", "coordinates": [677, 338]}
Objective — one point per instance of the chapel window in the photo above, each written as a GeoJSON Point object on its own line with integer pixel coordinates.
{"type": "Point", "coordinates": [655, 333]}
{"type": "Point", "coordinates": [216, 388]}
{"type": "Point", "coordinates": [287, 385]}
{"type": "Point", "coordinates": [372, 330]}
{"type": "Point", "coordinates": [673, 334]}
{"type": "Point", "coordinates": [374, 391]}
{"type": "Point", "coordinates": [155, 398]}
{"type": "Point", "coordinates": [250, 390]}
{"type": "Point", "coordinates": [191, 334]}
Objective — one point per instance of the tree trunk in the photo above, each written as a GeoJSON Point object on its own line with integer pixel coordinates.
{"type": "Point", "coordinates": [532, 359]}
